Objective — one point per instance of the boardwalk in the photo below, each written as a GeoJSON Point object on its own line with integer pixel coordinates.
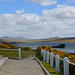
{"type": "Point", "coordinates": [27, 66]}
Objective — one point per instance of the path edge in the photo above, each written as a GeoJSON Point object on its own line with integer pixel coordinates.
{"type": "Point", "coordinates": [43, 68]}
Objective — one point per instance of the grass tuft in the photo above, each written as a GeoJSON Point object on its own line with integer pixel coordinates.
{"type": "Point", "coordinates": [51, 70]}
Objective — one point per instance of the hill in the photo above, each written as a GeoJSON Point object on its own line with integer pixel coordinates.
{"type": "Point", "coordinates": [54, 39]}
{"type": "Point", "coordinates": [13, 39]}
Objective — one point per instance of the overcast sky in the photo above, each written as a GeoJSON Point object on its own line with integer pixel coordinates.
{"type": "Point", "coordinates": [37, 19]}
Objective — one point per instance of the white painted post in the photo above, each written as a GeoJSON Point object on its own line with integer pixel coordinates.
{"type": "Point", "coordinates": [47, 61]}
{"type": "Point", "coordinates": [57, 64]}
{"type": "Point", "coordinates": [44, 56]}
{"type": "Point", "coordinates": [66, 66]}
{"type": "Point", "coordinates": [41, 51]}
{"type": "Point", "coordinates": [51, 59]}
{"type": "Point", "coordinates": [19, 53]}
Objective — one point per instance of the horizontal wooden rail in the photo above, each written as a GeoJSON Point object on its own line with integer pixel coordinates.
{"type": "Point", "coordinates": [57, 63]}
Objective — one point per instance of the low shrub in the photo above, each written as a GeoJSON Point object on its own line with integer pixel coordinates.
{"type": "Point", "coordinates": [27, 49]}
{"type": "Point", "coordinates": [62, 55]}
{"type": "Point", "coordinates": [3, 45]}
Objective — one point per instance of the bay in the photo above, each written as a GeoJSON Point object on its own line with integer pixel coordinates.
{"type": "Point", "coordinates": [70, 46]}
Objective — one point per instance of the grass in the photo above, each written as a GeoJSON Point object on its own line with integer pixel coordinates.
{"type": "Point", "coordinates": [51, 70]}
{"type": "Point", "coordinates": [15, 54]}
{"type": "Point", "coordinates": [27, 53]}
{"type": "Point", "coordinates": [2, 48]}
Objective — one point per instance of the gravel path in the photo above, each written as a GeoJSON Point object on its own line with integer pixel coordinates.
{"type": "Point", "coordinates": [27, 66]}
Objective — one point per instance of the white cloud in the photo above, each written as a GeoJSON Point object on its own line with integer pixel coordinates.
{"type": "Point", "coordinates": [63, 12]}
{"type": "Point", "coordinates": [4, 1]}
{"type": "Point", "coordinates": [44, 2]}
{"type": "Point", "coordinates": [48, 2]}
{"type": "Point", "coordinates": [20, 11]}
{"type": "Point", "coordinates": [45, 26]}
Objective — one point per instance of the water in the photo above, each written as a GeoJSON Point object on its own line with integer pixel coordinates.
{"type": "Point", "coordinates": [70, 46]}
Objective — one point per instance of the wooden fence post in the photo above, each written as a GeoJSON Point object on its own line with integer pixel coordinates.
{"type": "Point", "coordinates": [44, 56]}
{"type": "Point", "coordinates": [47, 61]}
{"type": "Point", "coordinates": [41, 51]}
{"type": "Point", "coordinates": [19, 53]}
{"type": "Point", "coordinates": [57, 64]}
{"type": "Point", "coordinates": [66, 66]}
{"type": "Point", "coordinates": [51, 59]}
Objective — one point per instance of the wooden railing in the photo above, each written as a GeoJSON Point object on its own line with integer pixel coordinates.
{"type": "Point", "coordinates": [66, 62]}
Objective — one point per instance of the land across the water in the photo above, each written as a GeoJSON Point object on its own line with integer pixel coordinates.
{"type": "Point", "coordinates": [68, 39]}
{"type": "Point", "coordinates": [34, 43]}
{"type": "Point", "coordinates": [23, 40]}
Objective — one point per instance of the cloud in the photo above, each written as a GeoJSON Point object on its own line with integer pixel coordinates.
{"type": "Point", "coordinates": [63, 12]}
{"type": "Point", "coordinates": [20, 11]}
{"type": "Point", "coordinates": [4, 1]}
{"type": "Point", "coordinates": [48, 2]}
{"type": "Point", "coordinates": [35, 26]}
{"type": "Point", "coordinates": [44, 2]}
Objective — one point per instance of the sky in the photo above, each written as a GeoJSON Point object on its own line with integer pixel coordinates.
{"type": "Point", "coordinates": [37, 19]}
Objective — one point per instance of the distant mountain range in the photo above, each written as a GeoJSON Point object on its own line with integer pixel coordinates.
{"type": "Point", "coordinates": [53, 39]}
{"type": "Point", "coordinates": [57, 39]}
{"type": "Point", "coordinates": [13, 39]}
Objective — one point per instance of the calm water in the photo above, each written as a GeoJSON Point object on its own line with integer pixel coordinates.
{"type": "Point", "coordinates": [70, 47]}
